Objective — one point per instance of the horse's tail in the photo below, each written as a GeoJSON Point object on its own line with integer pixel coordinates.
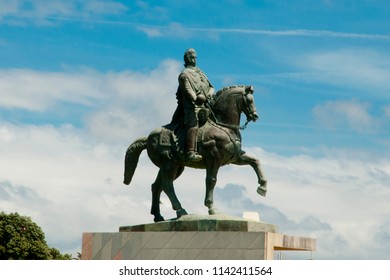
{"type": "Point", "coordinates": [131, 159]}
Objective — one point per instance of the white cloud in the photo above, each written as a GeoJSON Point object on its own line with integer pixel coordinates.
{"type": "Point", "coordinates": [68, 182]}
{"type": "Point", "coordinates": [174, 29]}
{"type": "Point", "coordinates": [186, 31]}
{"type": "Point", "coordinates": [150, 31]}
{"type": "Point", "coordinates": [358, 69]}
{"type": "Point", "coordinates": [294, 32]}
{"type": "Point", "coordinates": [42, 12]}
{"type": "Point", "coordinates": [346, 190]}
{"type": "Point", "coordinates": [78, 173]}
{"type": "Point", "coordinates": [340, 197]}
{"type": "Point", "coordinates": [103, 7]}
{"type": "Point", "coordinates": [213, 32]}
{"type": "Point", "coordinates": [347, 113]}
{"type": "Point", "coordinates": [138, 103]}
{"type": "Point", "coordinates": [386, 111]}
{"type": "Point", "coordinates": [125, 103]}
{"type": "Point", "coordinates": [36, 91]}
{"type": "Point", "coordinates": [8, 7]}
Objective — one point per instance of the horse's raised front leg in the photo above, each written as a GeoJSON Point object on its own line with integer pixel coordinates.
{"type": "Point", "coordinates": [168, 174]}
{"type": "Point", "coordinates": [246, 159]}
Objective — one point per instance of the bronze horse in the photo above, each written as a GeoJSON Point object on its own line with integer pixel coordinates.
{"type": "Point", "coordinates": [219, 143]}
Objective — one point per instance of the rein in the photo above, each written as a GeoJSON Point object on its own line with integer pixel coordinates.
{"type": "Point", "coordinates": [225, 124]}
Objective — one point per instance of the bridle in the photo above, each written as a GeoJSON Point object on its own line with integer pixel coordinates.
{"type": "Point", "coordinates": [247, 109]}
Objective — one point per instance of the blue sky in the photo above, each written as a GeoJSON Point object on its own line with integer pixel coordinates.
{"type": "Point", "coordinates": [79, 80]}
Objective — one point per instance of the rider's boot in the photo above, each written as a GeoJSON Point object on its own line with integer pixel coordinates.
{"type": "Point", "coordinates": [192, 155]}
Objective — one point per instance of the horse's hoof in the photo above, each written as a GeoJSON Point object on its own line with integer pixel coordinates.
{"type": "Point", "coordinates": [158, 218]}
{"type": "Point", "coordinates": [181, 212]}
{"type": "Point", "coordinates": [126, 180]}
{"type": "Point", "coordinates": [262, 190]}
{"type": "Point", "coordinates": [213, 211]}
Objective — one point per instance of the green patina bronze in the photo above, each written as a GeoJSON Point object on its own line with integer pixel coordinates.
{"type": "Point", "coordinates": [204, 133]}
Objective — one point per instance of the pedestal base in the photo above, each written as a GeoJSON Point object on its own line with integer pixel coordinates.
{"type": "Point", "coordinates": [193, 237]}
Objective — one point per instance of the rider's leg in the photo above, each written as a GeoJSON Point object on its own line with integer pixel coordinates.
{"type": "Point", "coordinates": [191, 144]}
{"type": "Point", "coordinates": [191, 122]}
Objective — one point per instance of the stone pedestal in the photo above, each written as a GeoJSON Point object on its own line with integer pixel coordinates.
{"type": "Point", "coordinates": [193, 237]}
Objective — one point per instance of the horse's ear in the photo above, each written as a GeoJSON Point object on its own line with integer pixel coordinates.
{"type": "Point", "coordinates": [249, 89]}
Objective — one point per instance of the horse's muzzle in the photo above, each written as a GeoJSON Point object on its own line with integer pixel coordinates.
{"type": "Point", "coordinates": [253, 117]}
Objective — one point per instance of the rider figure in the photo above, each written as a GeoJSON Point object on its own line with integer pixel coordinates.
{"type": "Point", "coordinates": [193, 91]}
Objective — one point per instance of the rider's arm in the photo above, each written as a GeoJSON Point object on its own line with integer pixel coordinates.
{"type": "Point", "coordinates": [210, 92]}
{"type": "Point", "coordinates": [187, 87]}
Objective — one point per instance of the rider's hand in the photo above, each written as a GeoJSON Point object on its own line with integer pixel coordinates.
{"type": "Point", "coordinates": [200, 99]}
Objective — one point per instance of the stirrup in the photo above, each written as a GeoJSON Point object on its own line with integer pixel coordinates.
{"type": "Point", "coordinates": [194, 156]}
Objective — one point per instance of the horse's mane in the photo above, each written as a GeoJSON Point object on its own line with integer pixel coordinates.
{"type": "Point", "coordinates": [228, 89]}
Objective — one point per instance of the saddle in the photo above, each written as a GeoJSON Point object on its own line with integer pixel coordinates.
{"type": "Point", "coordinates": [173, 135]}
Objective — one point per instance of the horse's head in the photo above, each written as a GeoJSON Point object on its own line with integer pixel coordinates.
{"type": "Point", "coordinates": [228, 104]}
{"type": "Point", "coordinates": [249, 107]}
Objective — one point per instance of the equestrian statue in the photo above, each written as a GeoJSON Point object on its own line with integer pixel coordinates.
{"type": "Point", "coordinates": [204, 133]}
